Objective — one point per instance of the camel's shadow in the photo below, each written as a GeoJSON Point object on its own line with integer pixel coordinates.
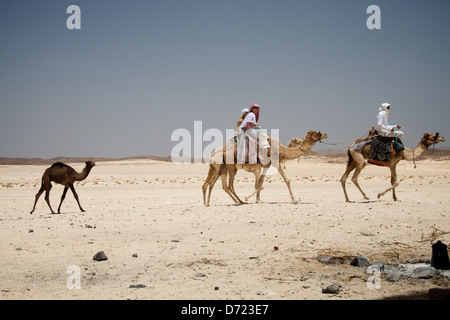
{"type": "Point", "coordinates": [287, 203]}
{"type": "Point", "coordinates": [49, 214]}
{"type": "Point", "coordinates": [262, 203]}
{"type": "Point", "coordinates": [367, 201]}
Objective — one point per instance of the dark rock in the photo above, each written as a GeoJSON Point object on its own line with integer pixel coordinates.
{"type": "Point", "coordinates": [100, 256]}
{"type": "Point", "coordinates": [360, 261]}
{"type": "Point", "coordinates": [393, 275]}
{"type": "Point", "coordinates": [137, 286]}
{"type": "Point", "coordinates": [379, 264]}
{"type": "Point", "coordinates": [323, 259]}
{"type": "Point", "coordinates": [424, 273]}
{"type": "Point", "coordinates": [331, 289]}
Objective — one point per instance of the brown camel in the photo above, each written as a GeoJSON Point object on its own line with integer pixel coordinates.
{"type": "Point", "coordinates": [357, 160]}
{"type": "Point", "coordinates": [220, 168]}
{"type": "Point", "coordinates": [62, 174]}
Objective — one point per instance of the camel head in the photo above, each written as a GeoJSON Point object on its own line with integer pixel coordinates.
{"type": "Point", "coordinates": [316, 135]}
{"type": "Point", "coordinates": [90, 164]}
{"type": "Point", "coordinates": [430, 138]}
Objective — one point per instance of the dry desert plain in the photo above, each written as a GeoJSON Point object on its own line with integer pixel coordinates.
{"type": "Point", "coordinates": [148, 218]}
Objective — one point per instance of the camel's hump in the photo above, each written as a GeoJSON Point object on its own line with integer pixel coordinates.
{"type": "Point", "coordinates": [59, 164]}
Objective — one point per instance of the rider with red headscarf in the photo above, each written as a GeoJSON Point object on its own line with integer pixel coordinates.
{"type": "Point", "coordinates": [251, 120]}
{"type": "Point", "coordinates": [250, 128]}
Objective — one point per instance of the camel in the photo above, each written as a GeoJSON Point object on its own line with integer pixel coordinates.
{"type": "Point", "coordinates": [357, 160]}
{"type": "Point", "coordinates": [62, 174]}
{"type": "Point", "coordinates": [220, 168]}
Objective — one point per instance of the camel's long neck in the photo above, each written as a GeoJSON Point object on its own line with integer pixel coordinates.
{"type": "Point", "coordinates": [411, 154]}
{"type": "Point", "coordinates": [307, 144]}
{"type": "Point", "coordinates": [83, 174]}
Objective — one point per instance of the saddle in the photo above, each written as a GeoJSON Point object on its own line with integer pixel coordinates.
{"type": "Point", "coordinates": [381, 149]}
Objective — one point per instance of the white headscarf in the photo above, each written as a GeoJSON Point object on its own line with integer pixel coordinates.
{"type": "Point", "coordinates": [384, 107]}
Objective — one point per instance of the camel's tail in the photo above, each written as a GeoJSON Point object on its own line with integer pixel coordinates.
{"type": "Point", "coordinates": [208, 177]}
{"type": "Point", "coordinates": [43, 178]}
{"type": "Point", "coordinates": [211, 169]}
{"type": "Point", "coordinates": [350, 158]}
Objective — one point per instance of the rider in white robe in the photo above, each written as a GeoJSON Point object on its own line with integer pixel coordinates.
{"type": "Point", "coordinates": [383, 127]}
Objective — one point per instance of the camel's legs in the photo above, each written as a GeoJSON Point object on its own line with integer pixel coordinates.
{"type": "Point", "coordinates": [261, 181]}
{"type": "Point", "coordinates": [359, 163]}
{"type": "Point", "coordinates": [204, 188]}
{"type": "Point", "coordinates": [211, 185]}
{"type": "Point", "coordinates": [211, 180]}
{"type": "Point", "coordinates": [232, 172]}
{"type": "Point", "coordinates": [47, 196]}
{"type": "Point", "coordinates": [76, 196]}
{"type": "Point", "coordinates": [355, 178]}
{"type": "Point", "coordinates": [253, 193]}
{"type": "Point", "coordinates": [349, 169]}
{"type": "Point", "coordinates": [228, 190]}
{"type": "Point", "coordinates": [63, 197]}
{"type": "Point", "coordinates": [288, 183]}
{"type": "Point", "coordinates": [41, 190]}
{"type": "Point", "coordinates": [257, 174]}
{"type": "Point", "coordinates": [394, 184]}
{"type": "Point", "coordinates": [258, 185]}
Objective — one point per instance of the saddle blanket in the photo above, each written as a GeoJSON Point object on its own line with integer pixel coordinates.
{"type": "Point", "coordinates": [380, 151]}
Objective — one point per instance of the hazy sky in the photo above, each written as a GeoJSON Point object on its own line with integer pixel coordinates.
{"type": "Point", "coordinates": [138, 70]}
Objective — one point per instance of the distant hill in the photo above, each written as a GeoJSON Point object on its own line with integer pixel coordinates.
{"type": "Point", "coordinates": [435, 154]}
{"type": "Point", "coordinates": [40, 161]}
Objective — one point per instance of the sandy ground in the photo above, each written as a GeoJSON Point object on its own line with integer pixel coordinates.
{"type": "Point", "coordinates": [149, 219]}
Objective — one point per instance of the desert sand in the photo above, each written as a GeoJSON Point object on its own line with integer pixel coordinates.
{"type": "Point", "coordinates": [149, 219]}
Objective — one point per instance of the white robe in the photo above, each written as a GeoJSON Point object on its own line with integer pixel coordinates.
{"type": "Point", "coordinates": [249, 136]}
{"type": "Point", "coordinates": [384, 128]}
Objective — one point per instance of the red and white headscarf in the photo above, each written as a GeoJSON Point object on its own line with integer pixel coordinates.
{"type": "Point", "coordinates": [255, 106]}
